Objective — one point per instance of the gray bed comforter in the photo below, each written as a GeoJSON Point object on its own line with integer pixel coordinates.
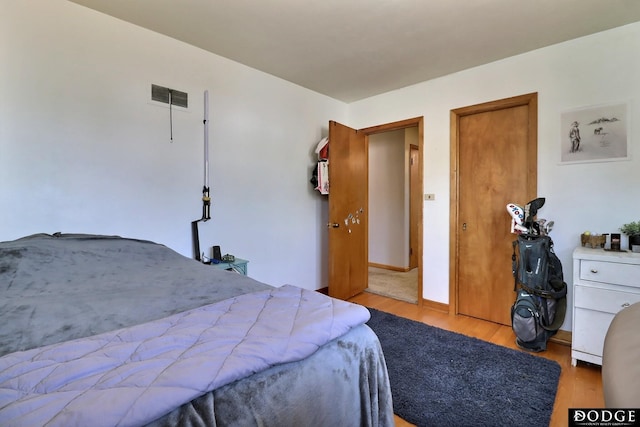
{"type": "Point", "coordinates": [104, 332]}
{"type": "Point", "coordinates": [60, 287]}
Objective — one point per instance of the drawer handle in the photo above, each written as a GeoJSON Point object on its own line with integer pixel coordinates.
{"type": "Point", "coordinates": [594, 271]}
{"type": "Point", "coordinates": [625, 305]}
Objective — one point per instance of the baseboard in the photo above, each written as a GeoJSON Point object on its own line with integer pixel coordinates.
{"type": "Point", "coordinates": [562, 337]}
{"type": "Point", "coordinates": [389, 267]}
{"type": "Point", "coordinates": [437, 306]}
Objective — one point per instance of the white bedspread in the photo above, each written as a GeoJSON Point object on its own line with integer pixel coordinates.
{"type": "Point", "coordinates": [135, 375]}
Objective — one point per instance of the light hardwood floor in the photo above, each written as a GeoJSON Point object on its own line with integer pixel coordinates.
{"type": "Point", "coordinates": [579, 386]}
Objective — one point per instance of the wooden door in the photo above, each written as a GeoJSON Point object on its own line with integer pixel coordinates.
{"type": "Point", "coordinates": [415, 199]}
{"type": "Point", "coordinates": [348, 204]}
{"type": "Point", "coordinates": [496, 164]}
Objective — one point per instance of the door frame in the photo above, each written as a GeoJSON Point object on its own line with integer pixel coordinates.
{"type": "Point", "coordinates": [530, 100]}
{"type": "Point", "coordinates": [415, 201]}
{"type": "Point", "coordinates": [403, 124]}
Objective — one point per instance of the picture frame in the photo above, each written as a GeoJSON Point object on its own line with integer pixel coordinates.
{"type": "Point", "coordinates": [595, 134]}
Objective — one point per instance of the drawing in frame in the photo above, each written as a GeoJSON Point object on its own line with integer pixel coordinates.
{"type": "Point", "coordinates": [595, 134]}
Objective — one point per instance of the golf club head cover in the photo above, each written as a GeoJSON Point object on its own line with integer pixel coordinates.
{"type": "Point", "coordinates": [517, 228]}
{"type": "Point", "coordinates": [517, 215]}
{"type": "Point", "coordinates": [531, 209]}
{"type": "Point", "coordinates": [516, 212]}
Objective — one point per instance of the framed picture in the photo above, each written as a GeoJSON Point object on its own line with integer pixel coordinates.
{"type": "Point", "coordinates": [595, 134]}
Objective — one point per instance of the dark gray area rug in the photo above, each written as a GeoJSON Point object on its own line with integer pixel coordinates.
{"type": "Point", "coordinates": [442, 378]}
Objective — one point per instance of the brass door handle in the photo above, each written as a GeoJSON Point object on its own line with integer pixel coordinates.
{"type": "Point", "coordinates": [333, 225]}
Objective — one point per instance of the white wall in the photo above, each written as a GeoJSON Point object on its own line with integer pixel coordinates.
{"type": "Point", "coordinates": [597, 69]}
{"type": "Point", "coordinates": [84, 150]}
{"type": "Point", "coordinates": [388, 218]}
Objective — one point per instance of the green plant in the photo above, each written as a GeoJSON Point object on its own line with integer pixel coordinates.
{"type": "Point", "coordinates": [631, 229]}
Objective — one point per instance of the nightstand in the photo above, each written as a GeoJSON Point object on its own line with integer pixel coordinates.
{"type": "Point", "coordinates": [239, 266]}
{"type": "Point", "coordinates": [604, 282]}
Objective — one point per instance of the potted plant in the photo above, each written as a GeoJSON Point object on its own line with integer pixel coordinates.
{"type": "Point", "coordinates": [632, 230]}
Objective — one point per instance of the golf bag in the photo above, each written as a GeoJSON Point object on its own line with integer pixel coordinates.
{"type": "Point", "coordinates": [541, 301]}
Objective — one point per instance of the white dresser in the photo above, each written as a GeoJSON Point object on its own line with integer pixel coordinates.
{"type": "Point", "coordinates": [604, 283]}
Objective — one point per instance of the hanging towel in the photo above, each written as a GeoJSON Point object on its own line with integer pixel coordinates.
{"type": "Point", "coordinates": [323, 177]}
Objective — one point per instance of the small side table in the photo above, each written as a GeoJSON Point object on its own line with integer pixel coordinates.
{"type": "Point", "coordinates": [239, 266]}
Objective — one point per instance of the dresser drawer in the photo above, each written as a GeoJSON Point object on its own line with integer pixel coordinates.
{"type": "Point", "coordinates": [605, 300]}
{"type": "Point", "coordinates": [589, 332]}
{"type": "Point", "coordinates": [610, 272]}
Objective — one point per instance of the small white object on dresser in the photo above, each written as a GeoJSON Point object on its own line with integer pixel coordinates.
{"type": "Point", "coordinates": [604, 282]}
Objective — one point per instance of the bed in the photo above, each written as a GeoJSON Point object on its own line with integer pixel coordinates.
{"type": "Point", "coordinates": [105, 331]}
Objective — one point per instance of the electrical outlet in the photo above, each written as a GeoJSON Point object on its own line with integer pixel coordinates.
{"type": "Point", "coordinates": [429, 196]}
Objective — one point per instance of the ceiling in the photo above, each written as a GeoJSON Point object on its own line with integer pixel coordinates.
{"type": "Point", "coordinates": [353, 49]}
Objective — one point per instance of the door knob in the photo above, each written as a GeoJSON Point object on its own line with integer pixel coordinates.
{"type": "Point", "coordinates": [333, 225]}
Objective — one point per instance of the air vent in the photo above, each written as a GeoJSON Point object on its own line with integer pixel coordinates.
{"type": "Point", "coordinates": [167, 95]}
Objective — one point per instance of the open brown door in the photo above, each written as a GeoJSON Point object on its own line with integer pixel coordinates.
{"type": "Point", "coordinates": [348, 203]}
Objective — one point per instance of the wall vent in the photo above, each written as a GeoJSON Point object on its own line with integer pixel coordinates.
{"type": "Point", "coordinates": [161, 94]}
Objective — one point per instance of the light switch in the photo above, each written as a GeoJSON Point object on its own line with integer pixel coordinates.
{"type": "Point", "coordinates": [429, 196]}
